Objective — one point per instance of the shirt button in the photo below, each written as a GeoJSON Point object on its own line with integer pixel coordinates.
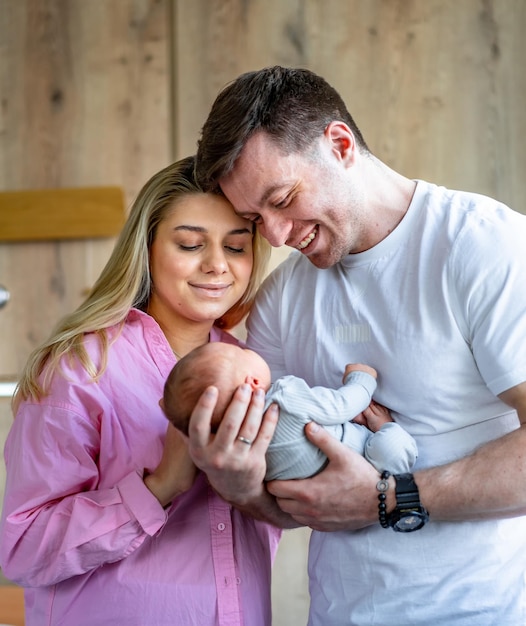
{"type": "Point", "coordinates": [221, 526]}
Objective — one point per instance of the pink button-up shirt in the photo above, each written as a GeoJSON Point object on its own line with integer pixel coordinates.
{"type": "Point", "coordinates": [86, 538]}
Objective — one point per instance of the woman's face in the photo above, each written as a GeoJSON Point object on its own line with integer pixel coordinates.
{"type": "Point", "coordinates": [200, 260]}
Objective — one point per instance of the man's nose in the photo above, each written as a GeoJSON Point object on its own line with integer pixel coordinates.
{"type": "Point", "coordinates": [275, 228]}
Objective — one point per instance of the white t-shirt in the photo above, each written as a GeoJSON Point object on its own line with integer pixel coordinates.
{"type": "Point", "coordinates": [438, 308]}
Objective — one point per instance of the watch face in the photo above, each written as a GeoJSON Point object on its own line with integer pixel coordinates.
{"type": "Point", "coordinates": [412, 520]}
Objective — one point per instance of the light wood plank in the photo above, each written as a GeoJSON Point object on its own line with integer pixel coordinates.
{"type": "Point", "coordinates": [56, 214]}
{"type": "Point", "coordinates": [11, 605]}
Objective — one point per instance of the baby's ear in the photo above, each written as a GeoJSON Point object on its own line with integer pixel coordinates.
{"type": "Point", "coordinates": [253, 382]}
{"type": "Point", "coordinates": [161, 404]}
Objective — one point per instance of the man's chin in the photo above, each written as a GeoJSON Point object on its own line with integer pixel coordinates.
{"type": "Point", "coordinates": [322, 262]}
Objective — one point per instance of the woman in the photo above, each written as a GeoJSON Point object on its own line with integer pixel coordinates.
{"type": "Point", "coordinates": [106, 519]}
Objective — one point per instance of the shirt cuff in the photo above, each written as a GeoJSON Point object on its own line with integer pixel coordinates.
{"type": "Point", "coordinates": [142, 504]}
{"type": "Point", "coordinates": [364, 379]}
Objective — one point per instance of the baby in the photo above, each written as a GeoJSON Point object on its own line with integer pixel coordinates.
{"type": "Point", "coordinates": [290, 454]}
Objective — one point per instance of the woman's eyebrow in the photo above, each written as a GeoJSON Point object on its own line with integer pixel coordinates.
{"type": "Point", "coordinates": [194, 229]}
{"type": "Point", "coordinates": [240, 231]}
{"type": "Point", "coordinates": [201, 229]}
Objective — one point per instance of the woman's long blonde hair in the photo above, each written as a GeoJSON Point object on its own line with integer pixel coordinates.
{"type": "Point", "coordinates": [125, 283]}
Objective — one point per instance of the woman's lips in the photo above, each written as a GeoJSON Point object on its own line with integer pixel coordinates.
{"type": "Point", "coordinates": [211, 290]}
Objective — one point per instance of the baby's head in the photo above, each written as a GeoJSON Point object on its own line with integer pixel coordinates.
{"type": "Point", "coordinates": [223, 365]}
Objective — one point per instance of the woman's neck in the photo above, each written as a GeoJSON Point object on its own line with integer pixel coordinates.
{"type": "Point", "coordinates": [182, 344]}
{"type": "Point", "coordinates": [183, 335]}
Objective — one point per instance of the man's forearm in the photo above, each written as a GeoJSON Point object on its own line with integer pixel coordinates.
{"type": "Point", "coordinates": [490, 483]}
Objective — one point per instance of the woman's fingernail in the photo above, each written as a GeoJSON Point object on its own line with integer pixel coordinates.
{"type": "Point", "coordinates": [314, 428]}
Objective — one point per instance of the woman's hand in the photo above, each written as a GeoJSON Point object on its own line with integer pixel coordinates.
{"type": "Point", "coordinates": [176, 472]}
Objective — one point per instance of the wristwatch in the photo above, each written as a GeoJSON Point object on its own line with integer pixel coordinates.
{"type": "Point", "coordinates": [409, 514]}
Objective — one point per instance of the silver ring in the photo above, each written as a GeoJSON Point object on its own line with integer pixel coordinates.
{"type": "Point", "coordinates": [245, 440]}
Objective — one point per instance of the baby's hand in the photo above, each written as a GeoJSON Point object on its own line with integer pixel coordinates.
{"type": "Point", "coordinates": [359, 367]}
{"type": "Point", "coordinates": [374, 417]}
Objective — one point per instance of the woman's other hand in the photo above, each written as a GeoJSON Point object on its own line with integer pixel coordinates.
{"type": "Point", "coordinates": [176, 472]}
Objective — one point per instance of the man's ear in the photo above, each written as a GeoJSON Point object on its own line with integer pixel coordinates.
{"type": "Point", "coordinates": [341, 140]}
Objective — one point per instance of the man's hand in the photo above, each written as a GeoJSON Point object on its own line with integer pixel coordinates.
{"type": "Point", "coordinates": [234, 468]}
{"type": "Point", "coordinates": [341, 497]}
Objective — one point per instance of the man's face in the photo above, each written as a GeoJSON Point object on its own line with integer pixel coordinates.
{"type": "Point", "coordinates": [308, 201]}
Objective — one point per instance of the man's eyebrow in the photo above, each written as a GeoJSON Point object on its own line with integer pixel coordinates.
{"type": "Point", "coordinates": [269, 192]}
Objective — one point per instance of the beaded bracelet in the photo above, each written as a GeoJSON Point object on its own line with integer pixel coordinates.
{"type": "Point", "coordinates": [383, 485]}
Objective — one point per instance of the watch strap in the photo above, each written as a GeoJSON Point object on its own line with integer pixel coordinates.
{"type": "Point", "coordinates": [409, 514]}
{"type": "Point", "coordinates": [407, 495]}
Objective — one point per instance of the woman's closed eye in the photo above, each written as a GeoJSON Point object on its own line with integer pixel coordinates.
{"type": "Point", "coordinates": [232, 249]}
{"type": "Point", "coordinates": [235, 249]}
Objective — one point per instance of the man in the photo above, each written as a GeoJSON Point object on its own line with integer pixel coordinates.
{"type": "Point", "coordinates": [426, 285]}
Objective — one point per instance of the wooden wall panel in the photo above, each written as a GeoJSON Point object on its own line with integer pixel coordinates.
{"type": "Point", "coordinates": [84, 92]}
{"type": "Point", "coordinates": [85, 101]}
{"type": "Point", "coordinates": [437, 86]}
